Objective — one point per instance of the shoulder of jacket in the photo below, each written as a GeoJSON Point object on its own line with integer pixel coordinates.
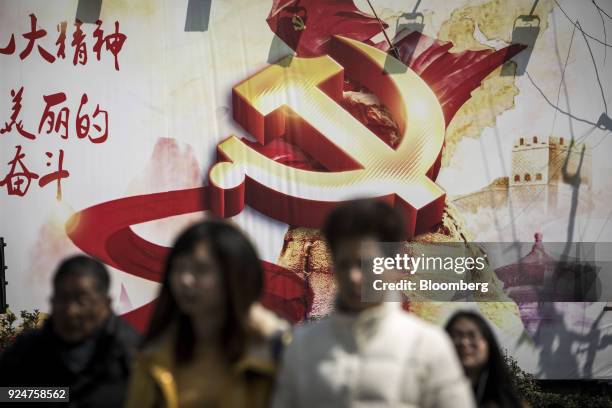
{"type": "Point", "coordinates": [126, 335]}
{"type": "Point", "coordinates": [312, 330]}
{"type": "Point", "coordinates": [28, 339]}
{"type": "Point", "coordinates": [266, 323]}
{"type": "Point", "coordinates": [158, 352]}
{"type": "Point", "coordinates": [424, 330]}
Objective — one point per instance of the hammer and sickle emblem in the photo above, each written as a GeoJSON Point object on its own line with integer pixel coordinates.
{"type": "Point", "coordinates": [297, 99]}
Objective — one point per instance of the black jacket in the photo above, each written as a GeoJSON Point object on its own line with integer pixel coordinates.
{"type": "Point", "coordinates": [35, 359]}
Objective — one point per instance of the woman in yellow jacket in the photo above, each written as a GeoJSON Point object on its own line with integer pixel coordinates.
{"type": "Point", "coordinates": [209, 343]}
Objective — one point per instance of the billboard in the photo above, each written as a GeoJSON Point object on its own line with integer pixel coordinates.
{"type": "Point", "coordinates": [481, 121]}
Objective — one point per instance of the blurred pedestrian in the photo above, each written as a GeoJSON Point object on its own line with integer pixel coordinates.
{"type": "Point", "coordinates": [368, 354]}
{"type": "Point", "coordinates": [83, 345]}
{"type": "Point", "coordinates": [482, 361]}
{"type": "Point", "coordinates": [209, 344]}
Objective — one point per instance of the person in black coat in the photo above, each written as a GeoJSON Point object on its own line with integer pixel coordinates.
{"type": "Point", "coordinates": [83, 345]}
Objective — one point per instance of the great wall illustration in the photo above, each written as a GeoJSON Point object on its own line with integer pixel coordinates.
{"type": "Point", "coordinates": [545, 174]}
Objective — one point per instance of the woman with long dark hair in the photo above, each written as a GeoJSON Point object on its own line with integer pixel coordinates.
{"type": "Point", "coordinates": [209, 343]}
{"type": "Point", "coordinates": [482, 361]}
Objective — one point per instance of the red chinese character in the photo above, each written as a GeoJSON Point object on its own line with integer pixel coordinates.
{"type": "Point", "coordinates": [99, 36]}
{"type": "Point", "coordinates": [16, 178]}
{"type": "Point", "coordinates": [61, 40]}
{"type": "Point", "coordinates": [113, 42]}
{"type": "Point", "coordinates": [55, 123]}
{"type": "Point", "coordinates": [32, 36]}
{"type": "Point", "coordinates": [56, 175]}
{"type": "Point", "coordinates": [104, 135]}
{"type": "Point", "coordinates": [83, 123]}
{"type": "Point", "coordinates": [10, 48]}
{"type": "Point", "coordinates": [80, 47]}
{"type": "Point", "coordinates": [8, 126]}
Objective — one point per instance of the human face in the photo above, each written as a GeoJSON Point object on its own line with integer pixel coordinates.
{"type": "Point", "coordinates": [347, 271]}
{"type": "Point", "coordinates": [78, 308]}
{"type": "Point", "coordinates": [472, 348]}
{"type": "Point", "coordinates": [196, 283]}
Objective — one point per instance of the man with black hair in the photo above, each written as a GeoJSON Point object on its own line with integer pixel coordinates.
{"type": "Point", "coordinates": [83, 345]}
{"type": "Point", "coordinates": [368, 354]}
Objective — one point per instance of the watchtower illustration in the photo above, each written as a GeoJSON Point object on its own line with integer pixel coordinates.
{"type": "Point", "coordinates": [549, 170]}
